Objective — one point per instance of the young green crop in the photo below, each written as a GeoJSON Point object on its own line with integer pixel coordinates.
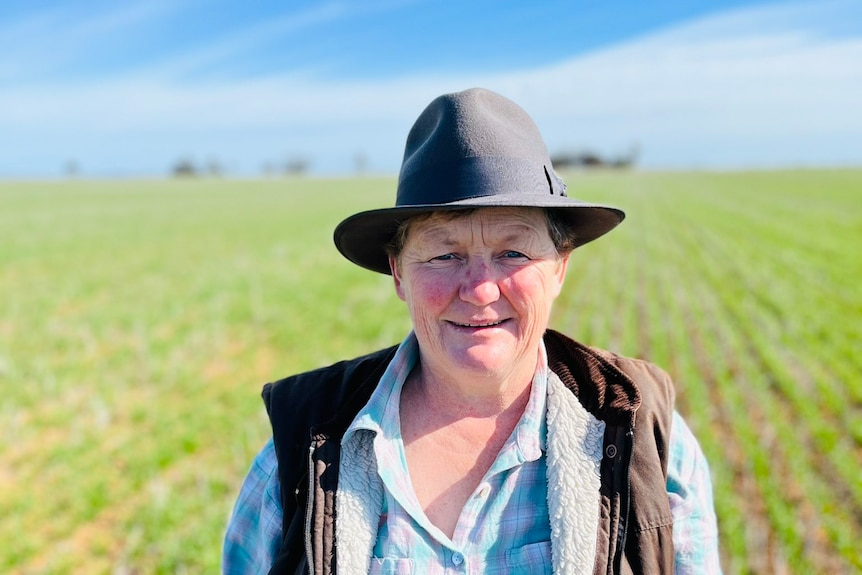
{"type": "Point", "coordinates": [138, 321]}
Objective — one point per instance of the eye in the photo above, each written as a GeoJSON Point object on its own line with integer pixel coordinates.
{"type": "Point", "coordinates": [443, 258]}
{"type": "Point", "coordinates": [512, 254]}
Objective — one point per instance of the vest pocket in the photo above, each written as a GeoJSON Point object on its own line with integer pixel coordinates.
{"type": "Point", "coordinates": [532, 558]}
{"type": "Point", "coordinates": [390, 566]}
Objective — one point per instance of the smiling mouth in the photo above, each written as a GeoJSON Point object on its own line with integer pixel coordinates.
{"type": "Point", "coordinates": [478, 325]}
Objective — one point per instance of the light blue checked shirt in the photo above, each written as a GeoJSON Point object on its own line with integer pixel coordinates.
{"type": "Point", "coordinates": [503, 528]}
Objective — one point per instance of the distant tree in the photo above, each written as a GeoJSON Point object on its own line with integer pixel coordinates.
{"type": "Point", "coordinates": [184, 168]}
{"type": "Point", "coordinates": [214, 168]}
{"type": "Point", "coordinates": [296, 166]}
{"type": "Point", "coordinates": [630, 159]}
{"type": "Point", "coordinates": [71, 168]}
{"type": "Point", "coordinates": [360, 163]}
{"type": "Point", "coordinates": [577, 159]}
{"type": "Point", "coordinates": [589, 159]}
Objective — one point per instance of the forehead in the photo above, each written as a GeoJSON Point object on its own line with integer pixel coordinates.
{"type": "Point", "coordinates": [493, 223]}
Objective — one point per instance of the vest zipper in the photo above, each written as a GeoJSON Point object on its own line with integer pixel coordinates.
{"type": "Point", "coordinates": [309, 556]}
{"type": "Point", "coordinates": [626, 459]}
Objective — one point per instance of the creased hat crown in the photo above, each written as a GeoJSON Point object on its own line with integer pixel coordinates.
{"type": "Point", "coordinates": [474, 143]}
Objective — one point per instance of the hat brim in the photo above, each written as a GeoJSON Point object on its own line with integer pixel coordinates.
{"type": "Point", "coordinates": [362, 237]}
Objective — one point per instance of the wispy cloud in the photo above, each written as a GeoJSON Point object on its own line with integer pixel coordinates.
{"type": "Point", "coordinates": [215, 51]}
{"type": "Point", "coordinates": [771, 85]}
{"type": "Point", "coordinates": [764, 86]}
{"type": "Point", "coordinates": [41, 45]}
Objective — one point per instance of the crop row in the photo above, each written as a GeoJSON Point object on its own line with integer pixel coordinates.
{"type": "Point", "coordinates": [796, 442]}
{"type": "Point", "coordinates": [139, 321]}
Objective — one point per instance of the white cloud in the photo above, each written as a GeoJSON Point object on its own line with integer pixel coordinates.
{"type": "Point", "coordinates": [746, 100]}
{"type": "Point", "coordinates": [759, 86]}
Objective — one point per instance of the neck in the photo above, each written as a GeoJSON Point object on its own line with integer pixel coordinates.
{"type": "Point", "coordinates": [472, 395]}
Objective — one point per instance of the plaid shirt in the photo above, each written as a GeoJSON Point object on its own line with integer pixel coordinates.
{"type": "Point", "coordinates": [503, 525]}
{"type": "Point", "coordinates": [503, 528]}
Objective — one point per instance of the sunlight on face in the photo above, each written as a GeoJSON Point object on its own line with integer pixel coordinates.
{"type": "Point", "coordinates": [479, 288]}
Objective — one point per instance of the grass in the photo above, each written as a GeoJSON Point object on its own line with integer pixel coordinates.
{"type": "Point", "coordinates": [138, 321]}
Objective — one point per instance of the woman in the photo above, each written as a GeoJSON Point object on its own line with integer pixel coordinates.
{"type": "Point", "coordinates": [484, 443]}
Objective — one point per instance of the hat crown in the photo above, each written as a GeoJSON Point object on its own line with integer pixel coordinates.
{"type": "Point", "coordinates": [470, 124]}
{"type": "Point", "coordinates": [463, 143]}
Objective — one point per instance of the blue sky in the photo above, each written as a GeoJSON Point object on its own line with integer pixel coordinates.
{"type": "Point", "coordinates": [127, 89]}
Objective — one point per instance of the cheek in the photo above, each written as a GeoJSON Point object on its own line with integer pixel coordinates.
{"type": "Point", "coordinates": [531, 291]}
{"type": "Point", "coordinates": [430, 295]}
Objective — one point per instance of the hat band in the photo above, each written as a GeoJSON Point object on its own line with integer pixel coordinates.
{"type": "Point", "coordinates": [448, 182]}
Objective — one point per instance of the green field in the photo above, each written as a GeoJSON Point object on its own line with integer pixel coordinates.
{"type": "Point", "coordinates": [138, 321]}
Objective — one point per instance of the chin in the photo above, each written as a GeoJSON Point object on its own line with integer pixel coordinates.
{"type": "Point", "coordinates": [484, 360]}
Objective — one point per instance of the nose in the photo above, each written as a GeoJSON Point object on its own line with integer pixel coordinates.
{"type": "Point", "coordinates": [479, 285]}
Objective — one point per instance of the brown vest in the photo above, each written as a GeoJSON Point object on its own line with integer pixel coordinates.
{"type": "Point", "coordinates": [310, 412]}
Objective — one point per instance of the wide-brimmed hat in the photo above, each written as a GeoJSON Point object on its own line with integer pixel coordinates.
{"type": "Point", "coordinates": [471, 149]}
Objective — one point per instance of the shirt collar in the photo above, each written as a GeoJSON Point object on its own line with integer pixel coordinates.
{"type": "Point", "coordinates": [381, 413]}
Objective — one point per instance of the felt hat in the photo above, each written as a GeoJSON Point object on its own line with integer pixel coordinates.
{"type": "Point", "coordinates": [471, 149]}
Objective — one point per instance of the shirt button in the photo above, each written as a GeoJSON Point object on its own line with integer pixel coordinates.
{"type": "Point", "coordinates": [483, 492]}
{"type": "Point", "coordinates": [457, 559]}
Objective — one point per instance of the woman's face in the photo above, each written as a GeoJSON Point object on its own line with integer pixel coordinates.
{"type": "Point", "coordinates": [479, 289]}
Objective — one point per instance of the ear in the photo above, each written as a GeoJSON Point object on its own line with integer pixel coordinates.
{"type": "Point", "coordinates": [560, 273]}
{"type": "Point", "coordinates": [396, 277]}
